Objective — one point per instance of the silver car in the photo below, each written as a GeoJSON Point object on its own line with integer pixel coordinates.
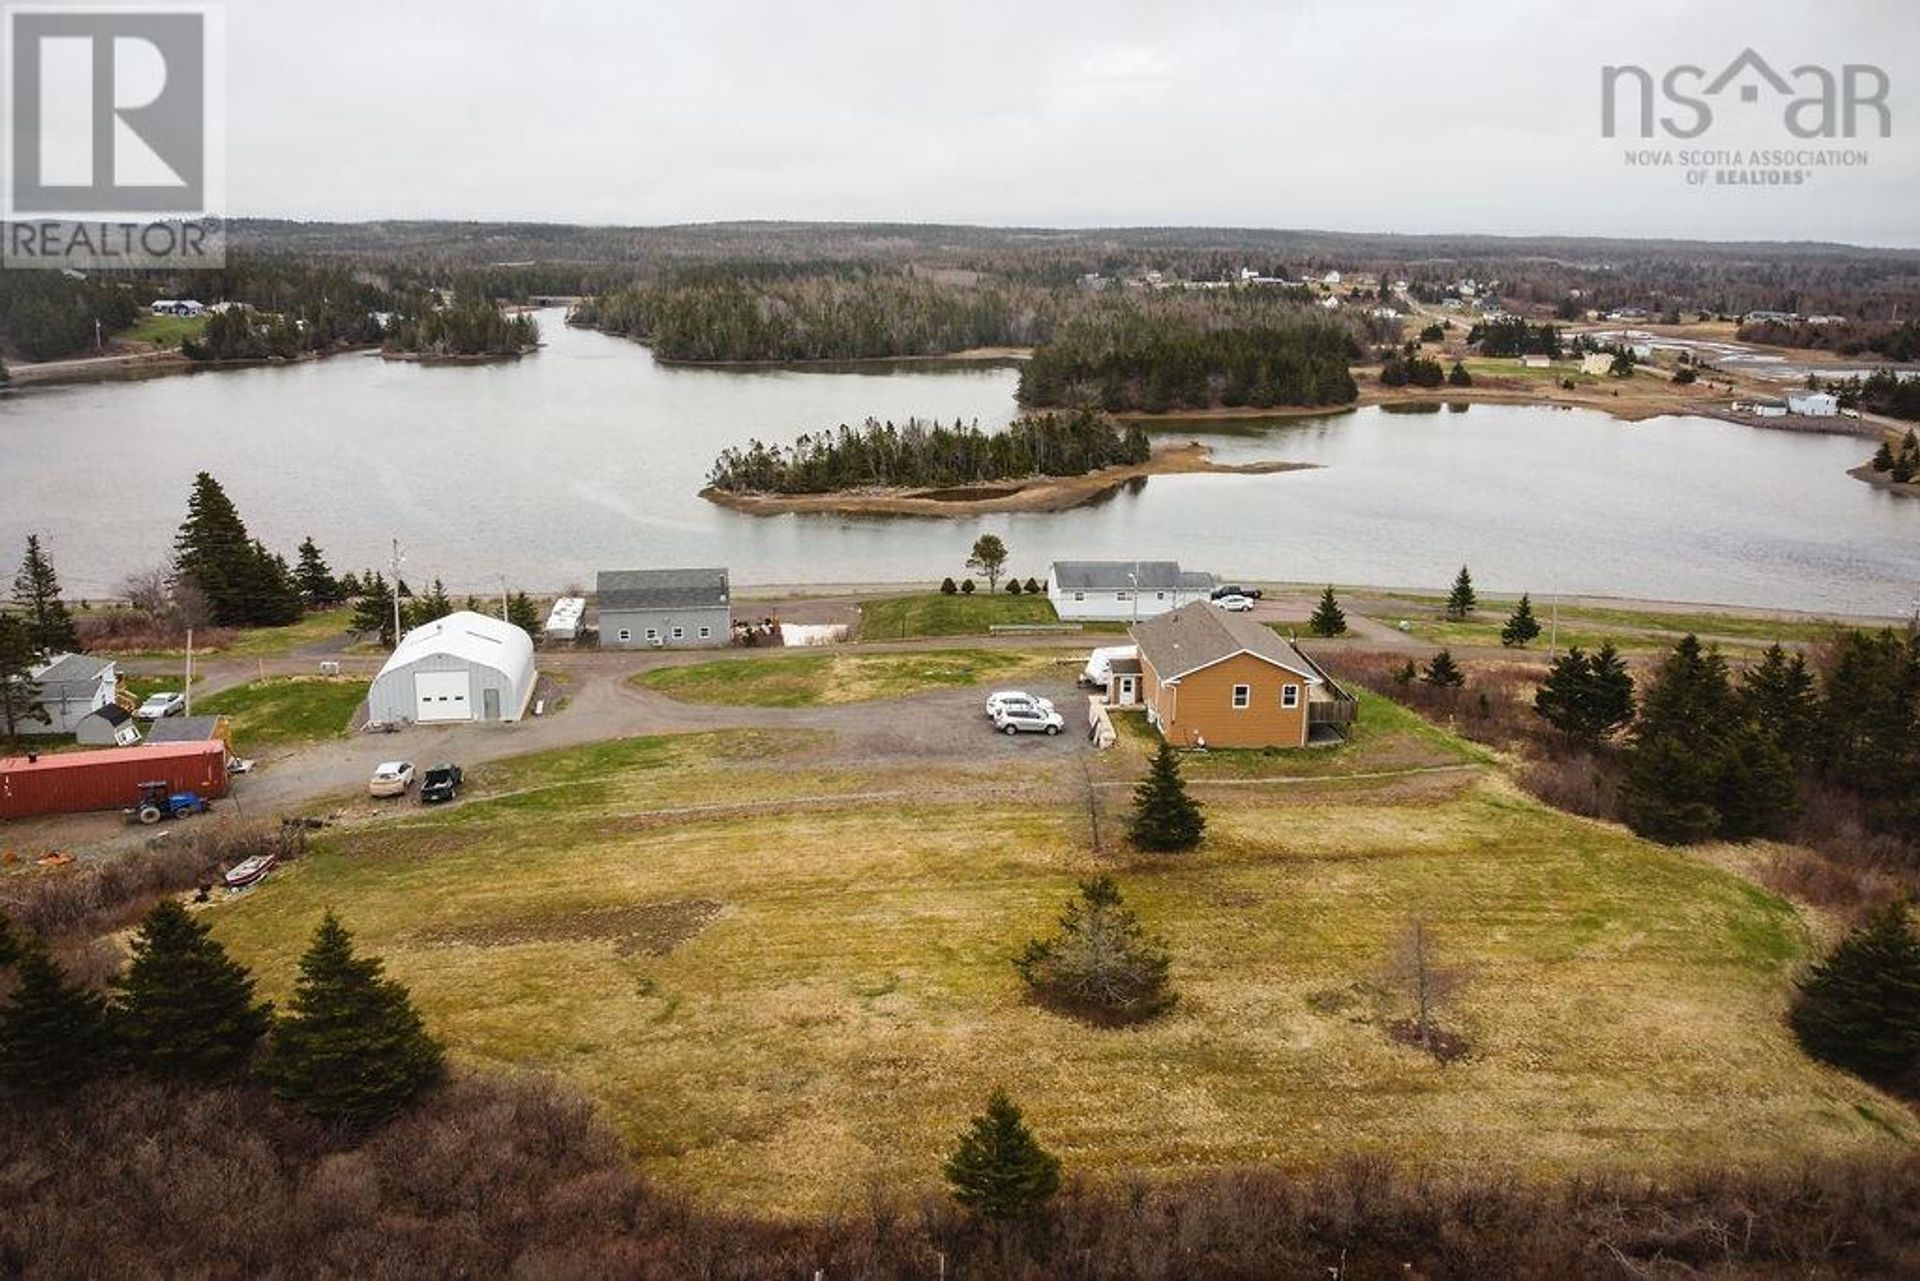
{"type": "Point", "coordinates": [1029, 720]}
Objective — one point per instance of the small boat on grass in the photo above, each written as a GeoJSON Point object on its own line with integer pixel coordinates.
{"type": "Point", "coordinates": [249, 871]}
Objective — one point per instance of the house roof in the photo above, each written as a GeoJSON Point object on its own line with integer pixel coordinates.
{"type": "Point", "coordinates": [184, 729]}
{"type": "Point", "coordinates": [471, 637]}
{"type": "Point", "coordinates": [622, 589]}
{"type": "Point", "coordinates": [112, 713]}
{"type": "Point", "coordinates": [1201, 634]}
{"type": "Point", "coordinates": [72, 669]}
{"type": "Point", "coordinates": [1119, 575]}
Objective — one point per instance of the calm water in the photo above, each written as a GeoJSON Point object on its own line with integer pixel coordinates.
{"type": "Point", "coordinates": [588, 455]}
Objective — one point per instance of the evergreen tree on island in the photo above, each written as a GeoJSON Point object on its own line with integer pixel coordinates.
{"type": "Point", "coordinates": [1000, 1171]}
{"type": "Point", "coordinates": [184, 1010]}
{"type": "Point", "coordinates": [1328, 618]}
{"type": "Point", "coordinates": [36, 590]}
{"type": "Point", "coordinates": [352, 1049]}
{"type": "Point", "coordinates": [1165, 819]}
{"type": "Point", "coordinates": [1522, 627]}
{"type": "Point", "coordinates": [1461, 601]}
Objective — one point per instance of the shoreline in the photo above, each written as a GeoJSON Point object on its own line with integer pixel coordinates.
{"type": "Point", "coordinates": [1038, 494]}
{"type": "Point", "coordinates": [1865, 472]}
{"type": "Point", "coordinates": [468, 358]}
{"type": "Point", "coordinates": [134, 366]}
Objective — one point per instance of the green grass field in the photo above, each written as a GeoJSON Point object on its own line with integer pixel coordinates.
{"type": "Point", "coordinates": [784, 1008]}
{"type": "Point", "coordinates": [165, 331]}
{"type": "Point", "coordinates": [283, 710]}
{"type": "Point", "coordinates": [1588, 626]}
{"type": "Point", "coordinates": [808, 680]}
{"type": "Point", "coordinates": [264, 642]}
{"type": "Point", "coordinates": [932, 614]}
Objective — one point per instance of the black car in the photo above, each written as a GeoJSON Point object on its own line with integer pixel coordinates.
{"type": "Point", "coordinates": [1251, 593]}
{"type": "Point", "coordinates": [441, 783]}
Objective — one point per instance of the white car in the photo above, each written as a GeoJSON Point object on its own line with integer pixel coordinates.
{"type": "Point", "coordinates": [1235, 604]}
{"type": "Point", "coordinates": [1001, 700]}
{"type": "Point", "coordinates": [164, 703]}
{"type": "Point", "coordinates": [1029, 720]}
{"type": "Point", "coordinates": [391, 778]}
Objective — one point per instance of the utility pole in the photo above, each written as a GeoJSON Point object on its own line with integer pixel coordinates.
{"type": "Point", "coordinates": [397, 559]}
{"type": "Point", "coordinates": [503, 598]}
{"type": "Point", "coordinates": [1134, 578]}
{"type": "Point", "coordinates": [187, 709]}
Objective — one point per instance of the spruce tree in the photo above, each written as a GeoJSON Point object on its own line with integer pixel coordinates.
{"type": "Point", "coordinates": [20, 704]}
{"type": "Point", "coordinates": [318, 587]}
{"type": "Point", "coordinates": [351, 1049]}
{"type": "Point", "coordinates": [53, 1034]}
{"type": "Point", "coordinates": [36, 590]}
{"type": "Point", "coordinates": [1165, 818]}
{"type": "Point", "coordinates": [1522, 627]}
{"type": "Point", "coordinates": [1442, 672]}
{"type": "Point", "coordinates": [1328, 618]}
{"type": "Point", "coordinates": [184, 1009]}
{"type": "Point", "coordinates": [1458, 376]}
{"type": "Point", "coordinates": [1860, 1007]}
{"type": "Point", "coordinates": [1883, 457]}
{"type": "Point", "coordinates": [522, 613]}
{"type": "Point", "coordinates": [373, 612]}
{"type": "Point", "coordinates": [1611, 696]}
{"type": "Point", "coordinates": [213, 549]}
{"type": "Point", "coordinates": [1779, 698]}
{"type": "Point", "coordinates": [1102, 964]}
{"type": "Point", "coordinates": [1586, 697]}
{"type": "Point", "coordinates": [999, 1171]}
{"type": "Point", "coordinates": [1461, 601]}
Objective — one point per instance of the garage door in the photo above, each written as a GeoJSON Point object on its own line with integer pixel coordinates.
{"type": "Point", "coordinates": [441, 696]}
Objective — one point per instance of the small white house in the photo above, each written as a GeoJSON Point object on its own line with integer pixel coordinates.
{"type": "Point", "coordinates": [72, 687]}
{"type": "Point", "coordinates": [1769, 409]}
{"type": "Point", "coordinates": [464, 667]}
{"type": "Point", "coordinates": [177, 307]}
{"type": "Point", "coordinates": [1122, 590]}
{"type": "Point", "coordinates": [1813, 404]}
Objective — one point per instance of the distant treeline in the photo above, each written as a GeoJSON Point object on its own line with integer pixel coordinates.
{"type": "Point", "coordinates": [1512, 336]}
{"type": "Point", "coordinates": [737, 315]}
{"type": "Point", "coordinates": [241, 333]}
{"type": "Point", "coordinates": [473, 328]}
{"type": "Point", "coordinates": [1847, 338]}
{"type": "Point", "coordinates": [919, 453]}
{"type": "Point", "coordinates": [1883, 392]}
{"type": "Point", "coordinates": [1196, 352]}
{"type": "Point", "coordinates": [48, 315]}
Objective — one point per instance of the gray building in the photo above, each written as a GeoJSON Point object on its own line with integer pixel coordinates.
{"type": "Point", "coordinates": [665, 609]}
{"type": "Point", "coordinates": [72, 687]}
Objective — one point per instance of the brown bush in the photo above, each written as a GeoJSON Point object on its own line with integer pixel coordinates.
{"type": "Point", "coordinates": [84, 900]}
{"type": "Point", "coordinates": [497, 1176]}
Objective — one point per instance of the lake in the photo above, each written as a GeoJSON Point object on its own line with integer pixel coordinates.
{"type": "Point", "coordinates": [588, 455]}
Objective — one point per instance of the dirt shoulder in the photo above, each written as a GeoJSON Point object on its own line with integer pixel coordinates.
{"type": "Point", "coordinates": [1041, 494]}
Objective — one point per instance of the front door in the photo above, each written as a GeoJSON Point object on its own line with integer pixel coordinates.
{"type": "Point", "coordinates": [490, 703]}
{"type": "Point", "coordinates": [1127, 691]}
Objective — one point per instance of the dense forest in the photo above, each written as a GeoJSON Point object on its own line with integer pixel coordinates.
{"type": "Point", "coordinates": [1846, 338]}
{"type": "Point", "coordinates": [1882, 392]}
{"type": "Point", "coordinates": [1512, 336]}
{"type": "Point", "coordinates": [475, 328]}
{"type": "Point", "coordinates": [860, 313]}
{"type": "Point", "coordinates": [919, 453]}
{"type": "Point", "coordinates": [1194, 352]}
{"type": "Point", "coordinates": [49, 315]}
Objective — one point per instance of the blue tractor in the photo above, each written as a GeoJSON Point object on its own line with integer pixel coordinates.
{"type": "Point", "coordinates": [158, 802]}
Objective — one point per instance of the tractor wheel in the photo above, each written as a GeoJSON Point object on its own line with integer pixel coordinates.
{"type": "Point", "coordinates": [149, 814]}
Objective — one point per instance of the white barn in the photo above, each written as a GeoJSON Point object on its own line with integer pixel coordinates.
{"type": "Point", "coordinates": [1122, 590]}
{"type": "Point", "coordinates": [1813, 404]}
{"type": "Point", "coordinates": [464, 667]}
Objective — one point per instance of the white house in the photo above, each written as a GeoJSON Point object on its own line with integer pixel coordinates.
{"type": "Point", "coordinates": [72, 687]}
{"type": "Point", "coordinates": [1769, 409]}
{"type": "Point", "coordinates": [177, 307]}
{"type": "Point", "coordinates": [1122, 590]}
{"type": "Point", "coordinates": [464, 667]}
{"type": "Point", "coordinates": [1535, 362]}
{"type": "Point", "coordinates": [1813, 404]}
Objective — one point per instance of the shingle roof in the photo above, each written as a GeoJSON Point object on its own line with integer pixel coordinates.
{"type": "Point", "coordinates": [622, 589]}
{"type": "Point", "coordinates": [183, 729]}
{"type": "Point", "coordinates": [112, 714]}
{"type": "Point", "coordinates": [72, 669]}
{"type": "Point", "coordinates": [1201, 634]}
{"type": "Point", "coordinates": [1118, 575]}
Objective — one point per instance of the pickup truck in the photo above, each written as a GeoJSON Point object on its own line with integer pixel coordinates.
{"type": "Point", "coordinates": [441, 783]}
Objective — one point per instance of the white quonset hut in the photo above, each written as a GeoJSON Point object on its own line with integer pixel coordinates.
{"type": "Point", "coordinates": [464, 667]}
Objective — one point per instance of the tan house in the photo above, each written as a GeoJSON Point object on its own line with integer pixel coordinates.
{"type": "Point", "coordinates": [1213, 679]}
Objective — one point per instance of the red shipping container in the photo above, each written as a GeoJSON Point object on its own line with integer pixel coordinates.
{"type": "Point", "coordinates": [71, 782]}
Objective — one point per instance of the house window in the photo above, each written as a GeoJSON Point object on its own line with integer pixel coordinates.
{"type": "Point", "coordinates": [1242, 696]}
{"type": "Point", "coordinates": [679, 633]}
{"type": "Point", "coordinates": [653, 633]}
{"type": "Point", "coordinates": [1159, 595]}
{"type": "Point", "coordinates": [705, 632]}
{"type": "Point", "coordinates": [625, 635]}
{"type": "Point", "coordinates": [1123, 595]}
{"type": "Point", "coordinates": [1289, 696]}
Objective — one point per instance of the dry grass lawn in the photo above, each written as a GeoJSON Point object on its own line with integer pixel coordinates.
{"type": "Point", "coordinates": [787, 1010]}
{"type": "Point", "coordinates": [809, 680]}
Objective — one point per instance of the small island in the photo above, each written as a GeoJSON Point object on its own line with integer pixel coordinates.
{"type": "Point", "coordinates": [1040, 463]}
{"type": "Point", "coordinates": [461, 334]}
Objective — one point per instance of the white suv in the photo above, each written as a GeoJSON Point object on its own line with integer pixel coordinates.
{"type": "Point", "coordinates": [1029, 720]}
{"type": "Point", "coordinates": [1003, 700]}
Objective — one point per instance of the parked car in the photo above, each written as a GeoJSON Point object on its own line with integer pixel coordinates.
{"type": "Point", "coordinates": [1221, 593]}
{"type": "Point", "coordinates": [1234, 604]}
{"type": "Point", "coordinates": [1029, 720]}
{"type": "Point", "coordinates": [441, 783]}
{"type": "Point", "coordinates": [391, 778]}
{"type": "Point", "coordinates": [1000, 700]}
{"type": "Point", "coordinates": [165, 703]}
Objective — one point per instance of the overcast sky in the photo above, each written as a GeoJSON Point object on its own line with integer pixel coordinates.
{"type": "Point", "coordinates": [1351, 115]}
